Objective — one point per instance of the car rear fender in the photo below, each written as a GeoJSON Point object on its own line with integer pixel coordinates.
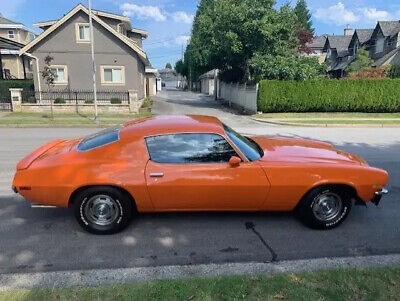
{"type": "Point", "coordinates": [29, 159]}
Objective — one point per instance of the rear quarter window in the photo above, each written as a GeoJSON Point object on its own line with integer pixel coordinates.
{"type": "Point", "coordinates": [99, 139]}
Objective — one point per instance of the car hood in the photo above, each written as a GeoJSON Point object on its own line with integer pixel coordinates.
{"type": "Point", "coordinates": [302, 150]}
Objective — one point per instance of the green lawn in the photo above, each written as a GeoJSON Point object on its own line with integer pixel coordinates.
{"type": "Point", "coordinates": [44, 119]}
{"type": "Point", "coordinates": [347, 284]}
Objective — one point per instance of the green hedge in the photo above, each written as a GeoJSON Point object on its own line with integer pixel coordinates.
{"type": "Point", "coordinates": [5, 85]}
{"type": "Point", "coordinates": [328, 95]}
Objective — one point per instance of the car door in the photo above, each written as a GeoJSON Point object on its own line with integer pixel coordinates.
{"type": "Point", "coordinates": [191, 171]}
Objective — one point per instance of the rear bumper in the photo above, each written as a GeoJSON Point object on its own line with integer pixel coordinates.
{"type": "Point", "coordinates": [378, 196]}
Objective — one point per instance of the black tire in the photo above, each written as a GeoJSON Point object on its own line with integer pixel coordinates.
{"type": "Point", "coordinates": [314, 200]}
{"type": "Point", "coordinates": [103, 209]}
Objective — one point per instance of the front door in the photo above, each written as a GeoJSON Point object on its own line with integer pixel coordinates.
{"type": "Point", "coordinates": [192, 172]}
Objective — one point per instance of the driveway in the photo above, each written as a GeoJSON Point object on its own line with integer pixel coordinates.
{"type": "Point", "coordinates": [50, 239]}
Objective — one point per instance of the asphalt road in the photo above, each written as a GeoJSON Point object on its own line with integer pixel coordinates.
{"type": "Point", "coordinates": [50, 239]}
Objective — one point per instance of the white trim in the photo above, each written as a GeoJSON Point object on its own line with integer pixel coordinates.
{"type": "Point", "coordinates": [77, 8]}
{"type": "Point", "coordinates": [77, 33]}
{"type": "Point", "coordinates": [109, 15]}
{"type": "Point", "coordinates": [44, 24]}
{"type": "Point", "coordinates": [8, 51]}
{"type": "Point", "coordinates": [104, 83]}
{"type": "Point", "coordinates": [65, 82]}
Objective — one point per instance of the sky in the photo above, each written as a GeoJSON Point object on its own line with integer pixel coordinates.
{"type": "Point", "coordinates": [169, 21]}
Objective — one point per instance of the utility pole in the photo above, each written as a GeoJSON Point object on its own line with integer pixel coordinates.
{"type": "Point", "coordinates": [1, 67]}
{"type": "Point", "coordinates": [93, 61]}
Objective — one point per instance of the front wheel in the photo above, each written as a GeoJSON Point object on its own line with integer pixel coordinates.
{"type": "Point", "coordinates": [103, 210]}
{"type": "Point", "coordinates": [325, 207]}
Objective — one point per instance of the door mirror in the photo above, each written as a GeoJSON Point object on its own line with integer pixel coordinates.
{"type": "Point", "coordinates": [234, 161]}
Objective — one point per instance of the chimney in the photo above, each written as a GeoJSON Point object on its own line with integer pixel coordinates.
{"type": "Point", "coordinates": [348, 31]}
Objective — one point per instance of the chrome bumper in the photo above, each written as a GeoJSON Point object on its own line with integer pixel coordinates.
{"type": "Point", "coordinates": [378, 196]}
{"type": "Point", "coordinates": [381, 192]}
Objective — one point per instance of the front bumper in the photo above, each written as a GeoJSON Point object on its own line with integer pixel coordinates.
{"type": "Point", "coordinates": [378, 196]}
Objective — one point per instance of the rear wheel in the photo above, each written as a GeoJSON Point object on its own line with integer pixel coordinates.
{"type": "Point", "coordinates": [325, 207]}
{"type": "Point", "coordinates": [103, 210]}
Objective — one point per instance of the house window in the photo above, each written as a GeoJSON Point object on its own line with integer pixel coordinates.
{"type": "Point", "coordinates": [60, 75]}
{"type": "Point", "coordinates": [82, 32]}
{"type": "Point", "coordinates": [380, 43]}
{"type": "Point", "coordinates": [121, 29]}
{"type": "Point", "coordinates": [31, 36]}
{"type": "Point", "coordinates": [112, 75]}
{"type": "Point", "coordinates": [11, 34]}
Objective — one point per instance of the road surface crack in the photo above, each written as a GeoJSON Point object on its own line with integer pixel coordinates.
{"type": "Point", "coordinates": [251, 226]}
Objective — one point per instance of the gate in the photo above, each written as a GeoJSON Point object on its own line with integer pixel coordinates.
{"type": "Point", "coordinates": [5, 102]}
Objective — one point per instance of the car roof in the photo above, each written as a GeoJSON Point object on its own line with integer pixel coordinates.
{"type": "Point", "coordinates": [168, 124]}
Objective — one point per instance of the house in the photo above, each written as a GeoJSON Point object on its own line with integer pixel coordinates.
{"type": "Point", "coordinates": [338, 56]}
{"type": "Point", "coordinates": [316, 46]}
{"type": "Point", "coordinates": [169, 78]}
{"type": "Point", "coordinates": [119, 57]}
{"type": "Point", "coordinates": [14, 36]}
{"type": "Point", "coordinates": [385, 44]}
{"type": "Point", "coordinates": [207, 82]}
{"type": "Point", "coordinates": [360, 39]}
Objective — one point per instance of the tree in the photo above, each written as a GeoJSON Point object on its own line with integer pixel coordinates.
{"type": "Point", "coordinates": [303, 16]}
{"type": "Point", "coordinates": [361, 61]}
{"type": "Point", "coordinates": [227, 34]}
{"type": "Point", "coordinates": [49, 76]}
{"type": "Point", "coordinates": [181, 68]}
{"type": "Point", "coordinates": [168, 66]}
{"type": "Point", "coordinates": [286, 68]}
{"type": "Point", "coordinates": [305, 37]}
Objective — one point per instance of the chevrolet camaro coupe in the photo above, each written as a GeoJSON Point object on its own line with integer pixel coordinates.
{"type": "Point", "coordinates": [194, 163]}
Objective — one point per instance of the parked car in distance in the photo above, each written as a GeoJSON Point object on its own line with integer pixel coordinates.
{"type": "Point", "coordinates": [194, 163]}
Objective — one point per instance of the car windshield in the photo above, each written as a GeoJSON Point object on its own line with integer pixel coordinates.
{"type": "Point", "coordinates": [247, 146]}
{"type": "Point", "coordinates": [101, 138]}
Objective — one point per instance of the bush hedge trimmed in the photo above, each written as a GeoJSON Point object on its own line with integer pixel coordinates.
{"type": "Point", "coordinates": [328, 95]}
{"type": "Point", "coordinates": [5, 85]}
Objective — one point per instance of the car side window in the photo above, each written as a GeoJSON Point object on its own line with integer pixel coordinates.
{"type": "Point", "coordinates": [189, 148]}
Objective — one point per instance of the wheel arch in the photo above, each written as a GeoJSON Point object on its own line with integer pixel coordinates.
{"type": "Point", "coordinates": [82, 188]}
{"type": "Point", "coordinates": [342, 186]}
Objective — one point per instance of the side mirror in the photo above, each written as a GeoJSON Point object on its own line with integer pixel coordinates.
{"type": "Point", "coordinates": [234, 161]}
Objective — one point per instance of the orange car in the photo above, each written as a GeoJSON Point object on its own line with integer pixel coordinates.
{"type": "Point", "coordinates": [194, 163]}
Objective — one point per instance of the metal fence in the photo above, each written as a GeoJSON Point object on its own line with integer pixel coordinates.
{"type": "Point", "coordinates": [75, 97]}
{"type": "Point", "coordinates": [5, 104]}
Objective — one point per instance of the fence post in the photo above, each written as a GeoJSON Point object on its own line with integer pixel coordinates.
{"type": "Point", "coordinates": [133, 101]}
{"type": "Point", "coordinates": [16, 99]}
{"type": "Point", "coordinates": [76, 101]}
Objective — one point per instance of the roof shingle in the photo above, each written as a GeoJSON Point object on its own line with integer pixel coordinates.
{"type": "Point", "coordinates": [389, 28]}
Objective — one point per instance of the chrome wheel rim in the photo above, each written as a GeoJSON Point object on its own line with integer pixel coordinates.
{"type": "Point", "coordinates": [102, 210]}
{"type": "Point", "coordinates": [327, 206]}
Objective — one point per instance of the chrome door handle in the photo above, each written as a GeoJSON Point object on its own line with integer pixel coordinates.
{"type": "Point", "coordinates": [156, 174]}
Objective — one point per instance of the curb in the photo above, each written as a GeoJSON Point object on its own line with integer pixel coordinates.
{"type": "Point", "coordinates": [99, 277]}
{"type": "Point", "coordinates": [378, 125]}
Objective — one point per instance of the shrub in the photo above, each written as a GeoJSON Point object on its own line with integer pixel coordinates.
{"type": "Point", "coordinates": [115, 100]}
{"type": "Point", "coordinates": [369, 72]}
{"type": "Point", "coordinates": [325, 95]}
{"type": "Point", "coordinates": [89, 101]}
{"type": "Point", "coordinates": [393, 71]}
{"type": "Point", "coordinates": [5, 85]}
{"type": "Point", "coordinates": [59, 100]}
{"type": "Point", "coordinates": [31, 99]}
{"type": "Point", "coordinates": [146, 102]}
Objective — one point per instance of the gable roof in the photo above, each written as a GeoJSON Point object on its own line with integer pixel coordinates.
{"type": "Point", "coordinates": [389, 28]}
{"type": "Point", "coordinates": [364, 35]}
{"type": "Point", "coordinates": [340, 43]}
{"type": "Point", "coordinates": [386, 59]}
{"type": "Point", "coordinates": [317, 42]}
{"type": "Point", "coordinates": [70, 14]}
{"type": "Point", "coordinates": [9, 44]}
{"type": "Point", "coordinates": [7, 21]}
